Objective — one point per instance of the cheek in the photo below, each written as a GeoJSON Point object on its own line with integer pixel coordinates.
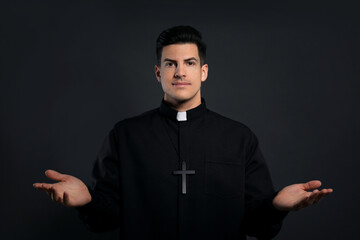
{"type": "Point", "coordinates": [167, 76]}
{"type": "Point", "coordinates": [166, 81]}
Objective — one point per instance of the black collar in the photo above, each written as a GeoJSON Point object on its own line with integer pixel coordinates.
{"type": "Point", "coordinates": [191, 114]}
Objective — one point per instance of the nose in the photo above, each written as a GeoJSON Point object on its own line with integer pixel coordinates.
{"type": "Point", "coordinates": [180, 72]}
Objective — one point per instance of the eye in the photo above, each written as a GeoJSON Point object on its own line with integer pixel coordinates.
{"type": "Point", "coordinates": [169, 64]}
{"type": "Point", "coordinates": [190, 63]}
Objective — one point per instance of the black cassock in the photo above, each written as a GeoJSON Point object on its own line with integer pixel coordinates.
{"type": "Point", "coordinates": [193, 175]}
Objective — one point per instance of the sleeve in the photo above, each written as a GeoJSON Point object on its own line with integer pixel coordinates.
{"type": "Point", "coordinates": [102, 213]}
{"type": "Point", "coordinates": [262, 220]}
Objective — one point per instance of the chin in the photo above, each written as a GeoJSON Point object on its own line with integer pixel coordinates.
{"type": "Point", "coordinates": [182, 99]}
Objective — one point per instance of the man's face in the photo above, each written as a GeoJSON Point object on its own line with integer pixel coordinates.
{"type": "Point", "coordinates": [181, 73]}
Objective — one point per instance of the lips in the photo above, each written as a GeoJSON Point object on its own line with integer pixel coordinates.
{"type": "Point", "coordinates": [181, 83]}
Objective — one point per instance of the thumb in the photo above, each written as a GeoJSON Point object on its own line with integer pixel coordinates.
{"type": "Point", "coordinates": [312, 185]}
{"type": "Point", "coordinates": [54, 175]}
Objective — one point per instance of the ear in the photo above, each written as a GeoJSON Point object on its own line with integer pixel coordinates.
{"type": "Point", "coordinates": [204, 72]}
{"type": "Point", "coordinates": [157, 73]}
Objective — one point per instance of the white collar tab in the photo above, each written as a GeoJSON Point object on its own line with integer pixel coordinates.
{"type": "Point", "coordinates": [181, 116]}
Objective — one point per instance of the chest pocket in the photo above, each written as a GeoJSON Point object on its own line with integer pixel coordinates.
{"type": "Point", "coordinates": [224, 179]}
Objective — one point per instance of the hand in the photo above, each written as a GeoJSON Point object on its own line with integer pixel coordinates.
{"type": "Point", "coordinates": [296, 196]}
{"type": "Point", "coordinates": [69, 191]}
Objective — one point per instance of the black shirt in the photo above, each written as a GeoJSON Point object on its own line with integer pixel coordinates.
{"type": "Point", "coordinates": [135, 188]}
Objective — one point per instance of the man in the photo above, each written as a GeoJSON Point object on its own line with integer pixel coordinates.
{"type": "Point", "coordinates": [181, 171]}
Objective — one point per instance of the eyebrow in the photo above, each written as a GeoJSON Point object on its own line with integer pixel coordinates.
{"type": "Point", "coordinates": [189, 59]}
{"type": "Point", "coordinates": [186, 60]}
{"type": "Point", "coordinates": [169, 60]}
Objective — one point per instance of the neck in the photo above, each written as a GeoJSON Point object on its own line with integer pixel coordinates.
{"type": "Point", "coordinates": [183, 106]}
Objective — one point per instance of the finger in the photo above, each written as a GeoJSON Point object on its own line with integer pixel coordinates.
{"type": "Point", "coordinates": [65, 199]}
{"type": "Point", "coordinates": [329, 190]}
{"type": "Point", "coordinates": [54, 175]}
{"type": "Point", "coordinates": [48, 189]}
{"type": "Point", "coordinates": [42, 186]}
{"type": "Point", "coordinates": [319, 197]}
{"type": "Point", "coordinates": [57, 197]}
{"type": "Point", "coordinates": [315, 192]}
{"type": "Point", "coordinates": [323, 193]}
{"type": "Point", "coordinates": [312, 185]}
{"type": "Point", "coordinates": [316, 198]}
{"type": "Point", "coordinates": [302, 204]}
{"type": "Point", "coordinates": [311, 198]}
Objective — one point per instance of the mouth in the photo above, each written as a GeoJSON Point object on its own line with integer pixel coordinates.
{"type": "Point", "coordinates": [181, 84]}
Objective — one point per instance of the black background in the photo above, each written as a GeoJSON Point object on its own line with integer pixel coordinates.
{"type": "Point", "coordinates": [71, 70]}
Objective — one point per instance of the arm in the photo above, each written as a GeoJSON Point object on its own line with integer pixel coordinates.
{"type": "Point", "coordinates": [98, 205]}
{"type": "Point", "coordinates": [265, 209]}
{"type": "Point", "coordinates": [103, 212]}
{"type": "Point", "coordinates": [262, 219]}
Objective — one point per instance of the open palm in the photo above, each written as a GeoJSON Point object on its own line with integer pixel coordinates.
{"type": "Point", "coordinates": [69, 190]}
{"type": "Point", "coordinates": [298, 196]}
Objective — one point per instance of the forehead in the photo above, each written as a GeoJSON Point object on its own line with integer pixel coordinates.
{"type": "Point", "coordinates": [180, 51]}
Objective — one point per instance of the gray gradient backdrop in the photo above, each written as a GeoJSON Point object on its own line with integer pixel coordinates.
{"type": "Point", "coordinates": [71, 70]}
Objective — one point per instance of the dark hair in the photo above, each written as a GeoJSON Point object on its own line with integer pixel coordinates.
{"type": "Point", "coordinates": [180, 34]}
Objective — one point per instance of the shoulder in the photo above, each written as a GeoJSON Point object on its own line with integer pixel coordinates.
{"type": "Point", "coordinates": [138, 120]}
{"type": "Point", "coordinates": [230, 124]}
{"type": "Point", "coordinates": [232, 132]}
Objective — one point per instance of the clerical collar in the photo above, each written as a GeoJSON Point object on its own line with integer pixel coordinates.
{"type": "Point", "coordinates": [181, 116]}
{"type": "Point", "coordinates": [193, 113]}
